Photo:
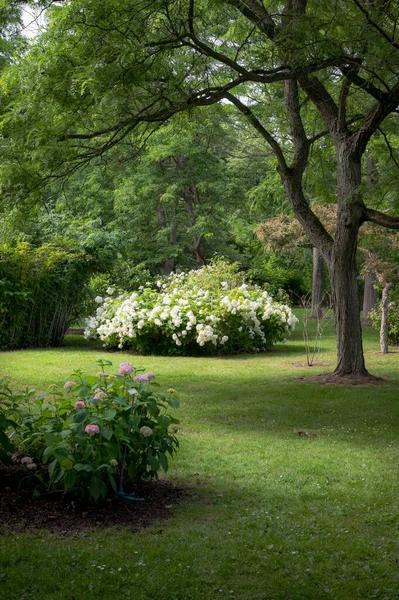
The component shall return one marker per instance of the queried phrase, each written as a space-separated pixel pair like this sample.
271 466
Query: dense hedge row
40 293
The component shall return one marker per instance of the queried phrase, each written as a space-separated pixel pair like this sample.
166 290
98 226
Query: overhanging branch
380 218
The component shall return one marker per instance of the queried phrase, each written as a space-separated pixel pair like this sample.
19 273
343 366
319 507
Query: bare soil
316 364
332 379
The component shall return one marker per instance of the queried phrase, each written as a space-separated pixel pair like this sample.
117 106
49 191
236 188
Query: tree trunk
384 318
168 265
191 198
317 285
342 265
370 296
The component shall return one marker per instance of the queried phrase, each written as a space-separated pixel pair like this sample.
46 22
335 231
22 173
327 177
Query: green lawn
269 515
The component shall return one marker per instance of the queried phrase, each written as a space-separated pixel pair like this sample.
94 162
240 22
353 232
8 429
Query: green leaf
52 467
153 408
97 488
51 438
82 467
173 402
132 470
109 414
5 442
154 464
112 481
164 462
47 453
106 433
66 464
59 476
163 422
80 416
83 391
70 479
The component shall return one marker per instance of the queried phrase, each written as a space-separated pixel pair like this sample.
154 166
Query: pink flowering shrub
92 429
94 435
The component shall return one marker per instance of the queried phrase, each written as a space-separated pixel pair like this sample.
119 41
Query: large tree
300 72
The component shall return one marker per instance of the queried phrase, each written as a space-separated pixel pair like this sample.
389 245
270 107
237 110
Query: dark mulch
56 512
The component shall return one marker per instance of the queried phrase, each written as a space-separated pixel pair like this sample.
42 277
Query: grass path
268 515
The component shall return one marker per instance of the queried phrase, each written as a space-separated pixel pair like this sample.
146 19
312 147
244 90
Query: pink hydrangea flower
32 466
125 368
140 378
68 385
98 394
92 429
101 374
150 375
80 404
26 460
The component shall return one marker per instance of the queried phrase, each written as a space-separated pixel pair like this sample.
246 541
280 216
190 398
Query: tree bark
384 318
168 265
317 284
342 264
370 296
190 198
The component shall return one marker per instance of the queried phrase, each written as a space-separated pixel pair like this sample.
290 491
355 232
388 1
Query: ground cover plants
206 311
266 513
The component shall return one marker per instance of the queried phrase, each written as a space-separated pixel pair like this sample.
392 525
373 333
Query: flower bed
192 313
92 437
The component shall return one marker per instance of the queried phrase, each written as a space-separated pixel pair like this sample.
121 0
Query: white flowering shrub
193 313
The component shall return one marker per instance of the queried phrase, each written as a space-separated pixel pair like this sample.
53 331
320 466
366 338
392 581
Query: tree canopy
308 77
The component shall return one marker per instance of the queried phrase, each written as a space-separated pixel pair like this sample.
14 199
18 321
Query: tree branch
246 111
301 142
389 147
257 14
380 218
375 25
375 117
323 101
367 86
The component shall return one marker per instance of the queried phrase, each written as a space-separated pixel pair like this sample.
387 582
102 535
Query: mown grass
268 514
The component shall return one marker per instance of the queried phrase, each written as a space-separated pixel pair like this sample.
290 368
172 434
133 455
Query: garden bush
41 292
393 321
94 435
207 311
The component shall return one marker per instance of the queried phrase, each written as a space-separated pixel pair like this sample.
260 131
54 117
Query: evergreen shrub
40 292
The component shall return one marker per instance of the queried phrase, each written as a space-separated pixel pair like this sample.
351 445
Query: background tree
382 258
104 72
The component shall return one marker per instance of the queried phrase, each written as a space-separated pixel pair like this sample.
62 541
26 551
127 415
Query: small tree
381 257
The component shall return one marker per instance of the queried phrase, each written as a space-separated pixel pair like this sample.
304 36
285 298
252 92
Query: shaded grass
267 514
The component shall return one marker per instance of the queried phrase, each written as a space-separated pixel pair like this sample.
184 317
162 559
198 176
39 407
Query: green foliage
279 276
96 434
393 321
41 291
206 311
